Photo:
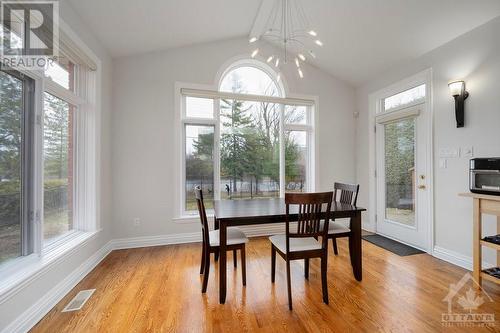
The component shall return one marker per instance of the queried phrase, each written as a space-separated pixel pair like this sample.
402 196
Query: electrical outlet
137 222
443 163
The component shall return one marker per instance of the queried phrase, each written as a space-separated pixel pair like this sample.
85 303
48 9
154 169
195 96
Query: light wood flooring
158 289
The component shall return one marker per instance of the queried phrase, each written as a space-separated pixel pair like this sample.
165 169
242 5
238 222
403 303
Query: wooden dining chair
236 240
344 193
302 243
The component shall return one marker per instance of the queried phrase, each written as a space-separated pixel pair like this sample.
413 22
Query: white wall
474 57
37 289
144 183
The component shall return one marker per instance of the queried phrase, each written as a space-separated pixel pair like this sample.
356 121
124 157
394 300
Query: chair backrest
203 214
310 213
348 193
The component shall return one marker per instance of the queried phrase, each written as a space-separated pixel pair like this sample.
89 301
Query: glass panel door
399 170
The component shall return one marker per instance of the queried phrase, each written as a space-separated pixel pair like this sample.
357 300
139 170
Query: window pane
11 118
295 161
58 166
405 97
295 114
249 148
400 171
249 80
199 164
199 107
61 72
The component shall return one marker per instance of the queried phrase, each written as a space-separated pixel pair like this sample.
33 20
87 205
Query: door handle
422 187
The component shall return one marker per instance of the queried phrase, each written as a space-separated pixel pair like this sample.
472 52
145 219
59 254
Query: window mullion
282 151
217 150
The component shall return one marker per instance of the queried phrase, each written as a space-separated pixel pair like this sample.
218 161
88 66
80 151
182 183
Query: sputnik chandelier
288 27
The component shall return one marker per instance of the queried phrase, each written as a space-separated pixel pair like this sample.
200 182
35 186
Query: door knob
422 187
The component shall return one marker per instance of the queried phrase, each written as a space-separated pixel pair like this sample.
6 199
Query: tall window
246 141
58 143
16 116
52 143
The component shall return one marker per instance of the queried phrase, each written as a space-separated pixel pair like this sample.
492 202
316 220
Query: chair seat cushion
234 236
296 244
335 228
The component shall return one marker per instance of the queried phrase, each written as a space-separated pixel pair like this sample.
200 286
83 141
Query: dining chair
344 193
236 240
302 242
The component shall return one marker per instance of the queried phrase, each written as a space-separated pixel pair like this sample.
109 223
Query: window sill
22 271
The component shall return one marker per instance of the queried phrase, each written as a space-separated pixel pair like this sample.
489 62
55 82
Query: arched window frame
187 90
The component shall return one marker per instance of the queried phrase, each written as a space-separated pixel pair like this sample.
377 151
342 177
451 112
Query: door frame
375 104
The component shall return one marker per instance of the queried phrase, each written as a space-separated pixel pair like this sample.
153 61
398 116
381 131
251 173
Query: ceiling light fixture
289 28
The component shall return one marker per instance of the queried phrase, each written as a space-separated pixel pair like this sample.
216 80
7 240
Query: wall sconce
457 89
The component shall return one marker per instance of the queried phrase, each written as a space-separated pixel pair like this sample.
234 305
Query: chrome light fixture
457 89
288 27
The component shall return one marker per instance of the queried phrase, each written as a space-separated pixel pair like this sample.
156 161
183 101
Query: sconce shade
456 87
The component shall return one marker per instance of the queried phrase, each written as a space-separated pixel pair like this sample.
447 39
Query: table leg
222 262
216 227
355 246
498 233
476 259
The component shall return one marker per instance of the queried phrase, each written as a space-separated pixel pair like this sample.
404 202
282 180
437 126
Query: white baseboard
37 311
194 237
456 258
146 241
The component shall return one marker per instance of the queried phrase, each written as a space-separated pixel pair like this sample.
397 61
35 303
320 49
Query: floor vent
79 300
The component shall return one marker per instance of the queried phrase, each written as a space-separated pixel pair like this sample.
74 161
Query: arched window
246 140
250 80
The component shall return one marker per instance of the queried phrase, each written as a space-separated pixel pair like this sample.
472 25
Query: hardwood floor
158 289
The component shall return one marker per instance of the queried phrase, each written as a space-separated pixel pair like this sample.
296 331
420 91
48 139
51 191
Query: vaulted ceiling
361 38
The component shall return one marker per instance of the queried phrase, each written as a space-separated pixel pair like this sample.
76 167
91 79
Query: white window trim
208 91
17 273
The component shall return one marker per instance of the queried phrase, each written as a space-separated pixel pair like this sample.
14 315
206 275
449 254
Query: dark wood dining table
232 213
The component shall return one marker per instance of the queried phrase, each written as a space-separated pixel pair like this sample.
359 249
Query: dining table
243 212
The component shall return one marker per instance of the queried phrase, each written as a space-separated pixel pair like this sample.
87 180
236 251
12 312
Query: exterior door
402 136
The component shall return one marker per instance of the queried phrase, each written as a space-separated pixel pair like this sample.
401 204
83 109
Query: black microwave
485 175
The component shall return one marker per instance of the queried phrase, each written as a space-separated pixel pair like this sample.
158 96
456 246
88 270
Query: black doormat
391 245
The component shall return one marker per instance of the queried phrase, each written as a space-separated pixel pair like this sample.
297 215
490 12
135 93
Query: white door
402 150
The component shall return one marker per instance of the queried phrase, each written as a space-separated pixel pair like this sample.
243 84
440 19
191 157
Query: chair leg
216 255
289 284
324 283
335 250
207 271
202 265
243 266
235 258
273 264
306 268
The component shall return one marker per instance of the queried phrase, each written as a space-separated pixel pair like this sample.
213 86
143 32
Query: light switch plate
449 152
468 151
